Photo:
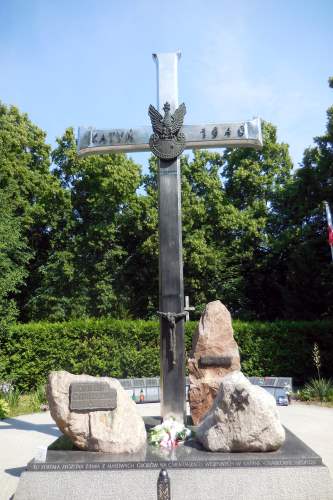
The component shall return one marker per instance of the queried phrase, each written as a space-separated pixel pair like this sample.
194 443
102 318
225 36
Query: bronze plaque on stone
92 396
220 361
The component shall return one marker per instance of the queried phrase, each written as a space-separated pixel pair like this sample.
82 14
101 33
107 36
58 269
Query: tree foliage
14 256
226 219
82 276
300 258
79 236
31 200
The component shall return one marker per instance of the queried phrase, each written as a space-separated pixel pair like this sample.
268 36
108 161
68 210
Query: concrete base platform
296 483
293 472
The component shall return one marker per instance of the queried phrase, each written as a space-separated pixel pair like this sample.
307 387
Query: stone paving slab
19 439
314 425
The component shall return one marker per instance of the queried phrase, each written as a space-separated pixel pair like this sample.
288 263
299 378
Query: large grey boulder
243 417
120 430
214 354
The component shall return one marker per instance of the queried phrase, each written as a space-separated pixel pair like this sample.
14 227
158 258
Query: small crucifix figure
167 140
172 319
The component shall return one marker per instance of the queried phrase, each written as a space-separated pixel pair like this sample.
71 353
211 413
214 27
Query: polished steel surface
209 135
171 295
167 78
171 286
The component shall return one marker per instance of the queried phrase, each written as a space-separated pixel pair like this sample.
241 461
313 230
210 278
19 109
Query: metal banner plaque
211 135
220 361
92 396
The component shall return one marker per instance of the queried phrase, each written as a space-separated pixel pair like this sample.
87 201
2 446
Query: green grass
12 398
26 404
4 408
317 390
22 404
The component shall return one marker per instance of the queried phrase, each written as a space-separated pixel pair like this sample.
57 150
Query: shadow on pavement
15 471
14 423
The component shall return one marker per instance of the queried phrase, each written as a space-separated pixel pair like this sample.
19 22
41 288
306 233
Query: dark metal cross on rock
169 138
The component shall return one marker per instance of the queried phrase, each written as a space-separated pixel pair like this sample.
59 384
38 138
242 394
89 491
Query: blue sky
70 63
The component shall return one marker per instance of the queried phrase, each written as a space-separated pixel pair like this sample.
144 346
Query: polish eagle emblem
167 142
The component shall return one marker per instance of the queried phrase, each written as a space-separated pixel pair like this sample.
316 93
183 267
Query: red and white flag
329 226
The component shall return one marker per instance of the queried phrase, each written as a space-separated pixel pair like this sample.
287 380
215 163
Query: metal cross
188 308
171 288
206 135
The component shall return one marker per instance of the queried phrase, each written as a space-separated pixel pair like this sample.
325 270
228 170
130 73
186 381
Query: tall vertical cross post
167 140
171 285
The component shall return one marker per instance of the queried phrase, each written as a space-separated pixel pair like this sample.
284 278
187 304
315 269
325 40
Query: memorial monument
293 471
168 140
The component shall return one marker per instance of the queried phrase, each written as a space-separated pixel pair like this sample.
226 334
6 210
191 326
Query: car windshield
280 392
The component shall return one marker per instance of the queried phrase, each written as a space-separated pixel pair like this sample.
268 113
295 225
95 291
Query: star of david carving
239 399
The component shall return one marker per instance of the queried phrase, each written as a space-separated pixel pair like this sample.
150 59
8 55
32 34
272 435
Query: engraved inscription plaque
91 396
207 135
220 361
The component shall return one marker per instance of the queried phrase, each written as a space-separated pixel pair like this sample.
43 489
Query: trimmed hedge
122 349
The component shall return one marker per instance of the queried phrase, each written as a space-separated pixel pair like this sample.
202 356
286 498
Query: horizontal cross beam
219 135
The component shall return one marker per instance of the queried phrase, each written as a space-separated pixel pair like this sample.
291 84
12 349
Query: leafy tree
14 255
83 276
305 271
33 193
227 215
81 239
255 182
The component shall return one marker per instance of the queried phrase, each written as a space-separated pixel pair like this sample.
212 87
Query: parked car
281 396
279 393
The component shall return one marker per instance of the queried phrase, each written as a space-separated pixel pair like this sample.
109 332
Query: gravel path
20 437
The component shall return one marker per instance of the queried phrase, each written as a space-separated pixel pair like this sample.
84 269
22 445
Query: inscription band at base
189 464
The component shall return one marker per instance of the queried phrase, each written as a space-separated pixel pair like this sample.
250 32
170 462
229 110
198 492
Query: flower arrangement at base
169 434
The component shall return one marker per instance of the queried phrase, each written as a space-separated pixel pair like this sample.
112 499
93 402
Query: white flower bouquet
169 434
